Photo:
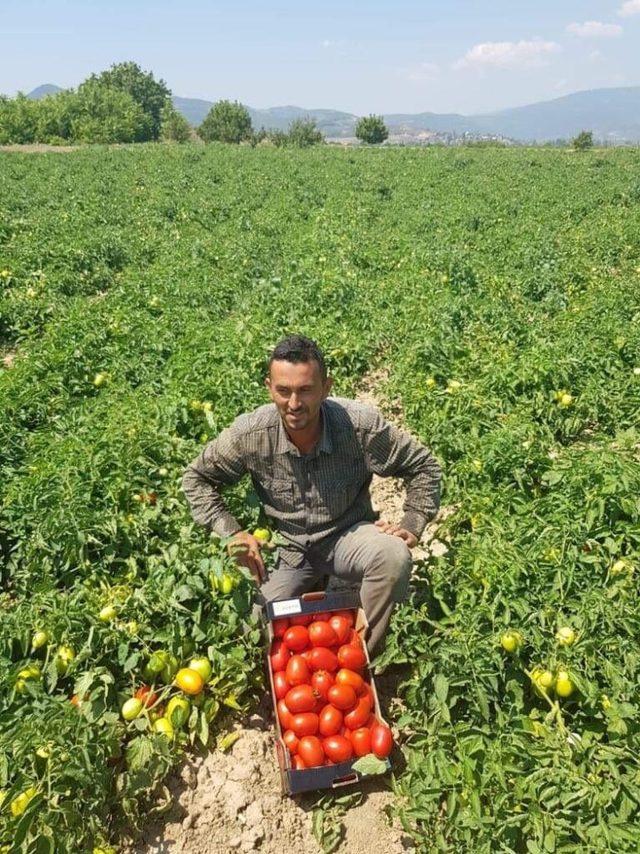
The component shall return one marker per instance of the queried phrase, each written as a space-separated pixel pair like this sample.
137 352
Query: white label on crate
286 607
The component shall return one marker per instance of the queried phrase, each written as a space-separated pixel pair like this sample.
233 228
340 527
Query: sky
360 57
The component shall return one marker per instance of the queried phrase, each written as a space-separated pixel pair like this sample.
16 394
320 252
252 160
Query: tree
175 128
303 133
149 93
583 141
371 130
226 121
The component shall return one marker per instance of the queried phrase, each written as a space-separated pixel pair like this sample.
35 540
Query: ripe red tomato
361 741
279 655
280 685
372 721
284 715
338 748
306 654
301 619
305 723
147 696
302 698
296 638
342 697
344 676
348 615
367 691
341 626
321 634
358 716
291 740
321 658
298 764
297 671
330 720
280 627
381 741
351 657
310 750
322 680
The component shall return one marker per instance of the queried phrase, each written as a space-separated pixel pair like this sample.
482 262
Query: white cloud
422 71
595 56
595 30
631 7
522 54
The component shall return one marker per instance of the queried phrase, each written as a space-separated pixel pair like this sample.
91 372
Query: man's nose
293 401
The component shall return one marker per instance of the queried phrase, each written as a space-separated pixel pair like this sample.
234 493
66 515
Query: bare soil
221 802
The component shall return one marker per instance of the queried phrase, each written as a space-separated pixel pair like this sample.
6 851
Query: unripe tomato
189 681
341 627
381 741
566 636
358 717
337 748
284 715
39 639
297 671
321 658
64 657
21 802
147 696
227 583
291 740
301 619
351 657
280 685
163 727
344 676
322 680
511 641
280 655
178 711
107 613
280 627
330 720
321 634
296 638
155 664
297 762
564 686
310 751
131 708
306 723
202 666
342 697
302 698
361 741
170 668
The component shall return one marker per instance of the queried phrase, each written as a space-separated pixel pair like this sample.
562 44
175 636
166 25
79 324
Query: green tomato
227 583
262 535
170 668
163 727
39 639
64 657
511 640
107 614
178 711
566 636
564 686
131 708
154 666
202 666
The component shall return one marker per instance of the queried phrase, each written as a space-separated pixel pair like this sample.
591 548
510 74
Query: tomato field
141 289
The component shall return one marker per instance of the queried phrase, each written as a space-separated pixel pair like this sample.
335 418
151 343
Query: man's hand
246 550
395 530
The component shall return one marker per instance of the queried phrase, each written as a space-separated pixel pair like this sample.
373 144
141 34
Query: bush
304 133
583 141
226 121
371 130
175 128
150 94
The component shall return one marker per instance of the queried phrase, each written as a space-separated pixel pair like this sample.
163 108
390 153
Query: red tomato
358 716
328 762
322 680
372 721
367 691
298 764
338 748
322 615
330 720
321 634
280 627
321 658
306 654
280 684
341 627
284 715
381 741
147 696
310 750
361 741
306 723
291 740
342 697
296 638
351 657
302 698
279 655
297 671
344 676
301 619
348 615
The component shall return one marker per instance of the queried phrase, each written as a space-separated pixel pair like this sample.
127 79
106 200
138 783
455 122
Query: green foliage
304 133
152 95
175 128
226 121
371 130
583 141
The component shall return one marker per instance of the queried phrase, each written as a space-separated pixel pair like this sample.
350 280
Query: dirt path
232 801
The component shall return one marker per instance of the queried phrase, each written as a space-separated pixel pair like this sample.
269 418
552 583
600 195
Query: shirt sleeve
222 462
391 452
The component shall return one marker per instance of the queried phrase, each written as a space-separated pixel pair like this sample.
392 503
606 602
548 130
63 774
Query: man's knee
395 563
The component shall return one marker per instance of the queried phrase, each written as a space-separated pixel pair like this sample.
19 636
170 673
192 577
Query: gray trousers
379 562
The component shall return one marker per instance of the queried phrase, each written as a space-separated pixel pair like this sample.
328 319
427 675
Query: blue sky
402 56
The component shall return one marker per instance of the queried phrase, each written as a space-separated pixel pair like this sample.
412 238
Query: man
311 458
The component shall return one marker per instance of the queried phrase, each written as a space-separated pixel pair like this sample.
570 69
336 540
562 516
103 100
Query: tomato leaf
369 765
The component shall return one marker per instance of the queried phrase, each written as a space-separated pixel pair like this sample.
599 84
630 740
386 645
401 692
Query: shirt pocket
279 494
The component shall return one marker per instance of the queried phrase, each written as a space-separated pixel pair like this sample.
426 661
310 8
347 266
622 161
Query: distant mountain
43 91
612 114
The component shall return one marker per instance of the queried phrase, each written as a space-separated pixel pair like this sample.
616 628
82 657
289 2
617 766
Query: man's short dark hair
296 349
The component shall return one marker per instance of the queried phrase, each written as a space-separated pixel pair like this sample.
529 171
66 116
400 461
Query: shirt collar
284 445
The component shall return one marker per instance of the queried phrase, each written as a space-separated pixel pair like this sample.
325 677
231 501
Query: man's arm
394 453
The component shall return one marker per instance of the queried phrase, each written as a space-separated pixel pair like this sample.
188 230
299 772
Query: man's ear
328 385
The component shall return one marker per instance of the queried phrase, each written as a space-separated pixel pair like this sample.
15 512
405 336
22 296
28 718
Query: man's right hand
246 550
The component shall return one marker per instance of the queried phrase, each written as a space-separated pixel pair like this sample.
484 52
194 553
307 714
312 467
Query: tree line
126 104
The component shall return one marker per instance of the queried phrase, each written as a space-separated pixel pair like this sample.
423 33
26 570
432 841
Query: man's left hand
395 530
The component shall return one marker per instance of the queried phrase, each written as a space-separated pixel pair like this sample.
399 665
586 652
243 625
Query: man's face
298 391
